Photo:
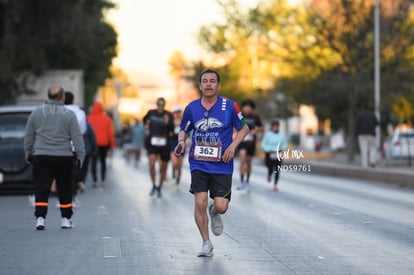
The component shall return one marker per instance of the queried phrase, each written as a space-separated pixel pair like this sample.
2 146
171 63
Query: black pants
272 166
84 169
102 154
79 175
45 170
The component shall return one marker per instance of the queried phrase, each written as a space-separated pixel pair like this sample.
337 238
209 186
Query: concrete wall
70 80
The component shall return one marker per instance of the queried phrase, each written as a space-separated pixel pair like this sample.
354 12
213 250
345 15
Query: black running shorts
219 185
163 151
250 148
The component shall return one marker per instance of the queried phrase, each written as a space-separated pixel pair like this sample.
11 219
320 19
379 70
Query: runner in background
273 143
159 128
137 139
247 147
176 162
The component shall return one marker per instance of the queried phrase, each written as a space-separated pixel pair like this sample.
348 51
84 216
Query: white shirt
80 115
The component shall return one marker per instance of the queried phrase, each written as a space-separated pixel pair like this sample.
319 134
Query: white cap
177 108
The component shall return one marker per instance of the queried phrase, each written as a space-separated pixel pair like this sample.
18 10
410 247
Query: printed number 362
206 151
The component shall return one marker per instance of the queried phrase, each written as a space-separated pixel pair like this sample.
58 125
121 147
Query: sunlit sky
150 31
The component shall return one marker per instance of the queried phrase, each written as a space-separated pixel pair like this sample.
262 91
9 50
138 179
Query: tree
47 34
262 50
346 27
238 50
402 108
178 66
324 53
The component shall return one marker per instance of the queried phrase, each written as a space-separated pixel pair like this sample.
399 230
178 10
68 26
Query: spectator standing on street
159 128
211 119
273 143
247 147
105 139
365 127
91 149
81 116
51 132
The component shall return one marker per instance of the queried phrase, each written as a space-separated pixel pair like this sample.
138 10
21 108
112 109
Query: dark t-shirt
160 124
366 123
253 120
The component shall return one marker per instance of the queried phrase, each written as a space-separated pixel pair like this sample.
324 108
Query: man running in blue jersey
211 120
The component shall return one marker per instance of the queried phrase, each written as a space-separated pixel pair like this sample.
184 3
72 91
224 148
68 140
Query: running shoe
248 187
175 185
76 203
240 186
275 189
159 192
153 190
40 223
81 187
32 200
67 224
216 223
206 249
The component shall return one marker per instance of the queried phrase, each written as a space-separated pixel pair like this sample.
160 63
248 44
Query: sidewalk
390 172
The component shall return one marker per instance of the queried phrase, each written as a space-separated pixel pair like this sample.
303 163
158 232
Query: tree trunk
351 142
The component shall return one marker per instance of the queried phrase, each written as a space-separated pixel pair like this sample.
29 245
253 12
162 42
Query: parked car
15 173
400 145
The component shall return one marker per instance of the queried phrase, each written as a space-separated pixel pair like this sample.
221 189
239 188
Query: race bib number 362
207 152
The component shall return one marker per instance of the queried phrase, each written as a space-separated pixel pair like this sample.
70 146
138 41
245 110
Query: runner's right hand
178 150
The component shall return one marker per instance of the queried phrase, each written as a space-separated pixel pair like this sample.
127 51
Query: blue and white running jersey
211 133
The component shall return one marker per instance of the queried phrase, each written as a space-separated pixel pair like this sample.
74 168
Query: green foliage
347 29
48 34
227 80
403 110
321 54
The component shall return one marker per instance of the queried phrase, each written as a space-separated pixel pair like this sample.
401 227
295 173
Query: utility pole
377 70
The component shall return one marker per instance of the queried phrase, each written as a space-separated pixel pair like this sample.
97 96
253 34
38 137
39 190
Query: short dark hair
248 102
209 71
275 122
161 99
69 98
57 95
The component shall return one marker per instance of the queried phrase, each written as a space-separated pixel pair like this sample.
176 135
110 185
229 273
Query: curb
394 176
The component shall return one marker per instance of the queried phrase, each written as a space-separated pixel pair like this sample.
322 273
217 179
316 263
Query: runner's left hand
228 154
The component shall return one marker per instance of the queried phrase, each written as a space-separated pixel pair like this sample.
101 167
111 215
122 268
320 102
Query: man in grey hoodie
50 132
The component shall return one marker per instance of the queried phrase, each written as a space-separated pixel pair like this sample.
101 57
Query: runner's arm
237 138
182 136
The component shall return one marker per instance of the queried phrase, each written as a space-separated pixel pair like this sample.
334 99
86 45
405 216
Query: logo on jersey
208 123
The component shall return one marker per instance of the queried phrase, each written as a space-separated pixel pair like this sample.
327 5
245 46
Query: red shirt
102 126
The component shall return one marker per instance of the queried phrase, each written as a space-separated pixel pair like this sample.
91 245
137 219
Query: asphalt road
314 225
